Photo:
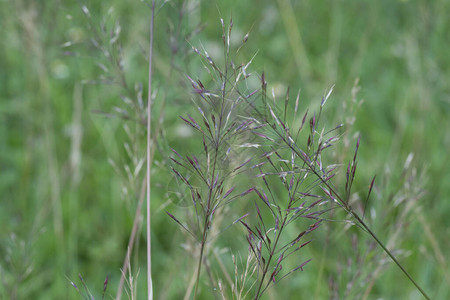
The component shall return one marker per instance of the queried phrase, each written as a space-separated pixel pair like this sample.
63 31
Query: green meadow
73 97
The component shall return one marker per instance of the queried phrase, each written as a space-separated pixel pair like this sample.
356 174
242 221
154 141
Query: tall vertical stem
149 119
202 250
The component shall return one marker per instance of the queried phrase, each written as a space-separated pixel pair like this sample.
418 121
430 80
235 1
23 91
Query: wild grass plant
244 134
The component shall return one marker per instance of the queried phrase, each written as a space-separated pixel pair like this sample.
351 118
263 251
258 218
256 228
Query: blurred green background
70 147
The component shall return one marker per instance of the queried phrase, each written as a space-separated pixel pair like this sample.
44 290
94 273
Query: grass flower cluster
245 133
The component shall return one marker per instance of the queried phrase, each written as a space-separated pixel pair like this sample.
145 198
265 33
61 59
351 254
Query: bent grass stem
349 209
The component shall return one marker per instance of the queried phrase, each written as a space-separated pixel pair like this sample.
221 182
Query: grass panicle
282 153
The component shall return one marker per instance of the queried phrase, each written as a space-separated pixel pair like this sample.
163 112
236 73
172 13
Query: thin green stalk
202 249
149 115
390 254
258 292
207 216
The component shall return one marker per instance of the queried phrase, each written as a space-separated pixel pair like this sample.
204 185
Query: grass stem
355 215
149 114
